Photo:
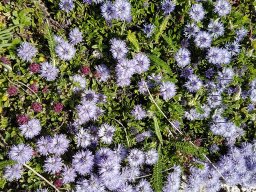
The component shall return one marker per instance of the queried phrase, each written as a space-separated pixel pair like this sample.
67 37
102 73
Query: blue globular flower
48 71
58 39
53 164
167 90
143 186
89 96
203 39
79 83
182 57
118 48
197 12
26 51
83 162
217 55
31 129
123 10
253 95
136 158
106 133
68 174
66 5
21 153
108 11
75 36
44 145
83 138
102 72
87 1
214 99
65 51
240 34
148 29
173 180
94 184
233 48
193 84
141 137
191 30
151 157
222 7
13 172
143 86
186 72
216 28
226 75
138 112
142 63
130 173
168 6
59 144
97 1
86 111
104 155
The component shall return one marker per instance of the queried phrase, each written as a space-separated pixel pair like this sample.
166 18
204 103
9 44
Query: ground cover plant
127 95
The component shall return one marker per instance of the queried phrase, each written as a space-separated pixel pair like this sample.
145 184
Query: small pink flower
37 107
12 91
58 107
34 87
45 89
34 68
85 70
58 183
22 119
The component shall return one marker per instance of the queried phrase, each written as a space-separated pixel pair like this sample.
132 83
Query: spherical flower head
83 162
144 186
203 39
86 111
44 145
222 7
118 48
182 57
191 30
79 83
139 113
142 62
66 5
58 183
226 76
12 91
85 70
34 67
22 119
148 29
136 158
31 129
106 133
65 51
143 87
214 55
48 71
209 73
216 28
13 172
186 72
104 155
123 10
87 1
193 84
253 95
53 165
59 144
233 48
89 96
75 36
33 88
151 157
125 68
197 12
108 11
97 1
83 138
168 6
240 34
57 107
103 73
21 153
167 90
26 51
68 174
36 107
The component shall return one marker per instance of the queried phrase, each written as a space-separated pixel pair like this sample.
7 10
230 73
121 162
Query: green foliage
157 173
157 130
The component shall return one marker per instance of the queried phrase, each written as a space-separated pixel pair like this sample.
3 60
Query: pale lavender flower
142 62
222 7
65 51
86 111
136 158
233 48
59 144
26 51
148 29
21 153
186 72
97 1
216 28
203 39
106 133
240 34
44 145
94 184
66 5
167 90
218 56
182 57
83 162
226 75
144 186
48 71
75 36
193 84
173 180
68 174
104 155
197 12
31 129
123 10
58 39
87 1
83 138
53 165
253 95
118 48
130 173
108 11
13 172
89 96
191 30
151 157
79 82
139 113
143 86
103 72
168 6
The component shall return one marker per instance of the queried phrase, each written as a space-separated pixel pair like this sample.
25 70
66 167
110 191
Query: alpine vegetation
26 51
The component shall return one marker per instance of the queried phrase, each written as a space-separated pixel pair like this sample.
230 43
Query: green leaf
162 28
133 39
157 173
157 130
3 164
161 63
